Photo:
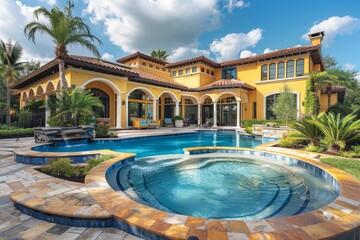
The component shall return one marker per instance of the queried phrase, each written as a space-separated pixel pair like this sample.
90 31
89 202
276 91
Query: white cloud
13 18
143 25
182 53
108 57
334 26
349 67
268 50
50 2
232 4
229 47
247 53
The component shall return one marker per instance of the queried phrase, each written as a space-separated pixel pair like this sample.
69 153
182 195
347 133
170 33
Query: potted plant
179 121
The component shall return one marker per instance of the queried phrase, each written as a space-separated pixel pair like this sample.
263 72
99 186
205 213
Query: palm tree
76 103
64 29
10 55
159 54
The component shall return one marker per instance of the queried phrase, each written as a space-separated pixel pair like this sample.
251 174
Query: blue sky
219 29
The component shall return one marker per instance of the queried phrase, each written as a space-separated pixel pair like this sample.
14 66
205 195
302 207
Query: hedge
19 132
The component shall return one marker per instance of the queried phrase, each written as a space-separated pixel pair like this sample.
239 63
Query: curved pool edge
339 219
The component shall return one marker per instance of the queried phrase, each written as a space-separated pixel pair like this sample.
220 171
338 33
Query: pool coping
340 217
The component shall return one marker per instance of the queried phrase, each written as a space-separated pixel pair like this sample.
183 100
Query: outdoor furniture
139 123
186 122
208 122
168 122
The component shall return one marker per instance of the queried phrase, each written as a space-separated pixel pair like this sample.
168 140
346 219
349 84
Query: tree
159 54
65 29
10 54
285 106
76 104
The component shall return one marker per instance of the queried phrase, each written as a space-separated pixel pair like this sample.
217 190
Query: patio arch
229 93
191 96
31 93
49 87
203 97
39 91
171 94
107 81
142 89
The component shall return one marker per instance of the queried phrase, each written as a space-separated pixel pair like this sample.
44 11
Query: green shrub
312 148
178 117
309 130
96 161
25 119
19 132
248 129
349 154
102 130
61 167
292 140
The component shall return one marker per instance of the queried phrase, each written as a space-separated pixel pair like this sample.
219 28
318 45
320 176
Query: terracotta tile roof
200 59
276 54
100 62
226 83
157 79
142 56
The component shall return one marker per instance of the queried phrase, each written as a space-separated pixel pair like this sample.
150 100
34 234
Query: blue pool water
223 186
148 146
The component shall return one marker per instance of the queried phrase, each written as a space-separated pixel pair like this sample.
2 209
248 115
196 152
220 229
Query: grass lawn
350 166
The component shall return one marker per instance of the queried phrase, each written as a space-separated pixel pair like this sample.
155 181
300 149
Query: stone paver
16 225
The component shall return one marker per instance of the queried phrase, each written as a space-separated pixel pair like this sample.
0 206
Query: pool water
148 146
222 186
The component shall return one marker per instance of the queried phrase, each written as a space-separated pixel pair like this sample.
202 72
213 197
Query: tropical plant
284 106
10 54
310 102
338 131
308 130
65 29
74 106
159 54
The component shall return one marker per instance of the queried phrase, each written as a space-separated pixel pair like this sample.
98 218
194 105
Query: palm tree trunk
8 96
63 82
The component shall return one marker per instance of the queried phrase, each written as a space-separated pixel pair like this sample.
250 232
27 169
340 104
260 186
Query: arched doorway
207 111
140 105
227 111
105 99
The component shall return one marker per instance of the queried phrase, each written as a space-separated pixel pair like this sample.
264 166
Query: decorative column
127 111
177 108
215 114
154 109
47 111
199 115
238 111
118 110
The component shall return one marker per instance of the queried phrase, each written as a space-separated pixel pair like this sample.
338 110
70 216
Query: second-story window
272 74
300 67
181 72
174 73
194 69
228 73
143 63
281 70
290 69
264 72
187 70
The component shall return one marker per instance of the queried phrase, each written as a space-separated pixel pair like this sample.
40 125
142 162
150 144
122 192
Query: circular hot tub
225 185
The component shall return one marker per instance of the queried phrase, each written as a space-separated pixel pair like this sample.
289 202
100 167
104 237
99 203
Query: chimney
316 38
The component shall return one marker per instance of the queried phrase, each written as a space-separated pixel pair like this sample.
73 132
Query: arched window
290 69
272 74
281 70
104 98
264 72
300 67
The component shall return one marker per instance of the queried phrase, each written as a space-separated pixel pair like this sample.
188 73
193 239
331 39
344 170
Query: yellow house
199 89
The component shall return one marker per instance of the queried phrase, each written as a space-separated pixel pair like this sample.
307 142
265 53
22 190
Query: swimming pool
164 144
223 186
